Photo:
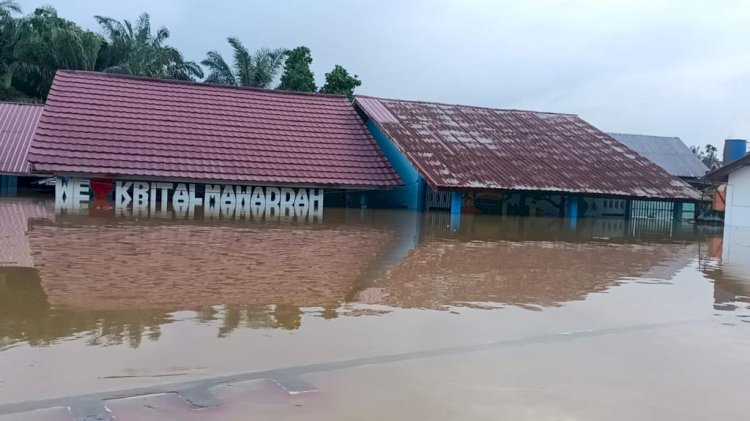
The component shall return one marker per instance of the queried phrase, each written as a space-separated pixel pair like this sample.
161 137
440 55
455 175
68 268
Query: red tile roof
455 146
105 124
17 124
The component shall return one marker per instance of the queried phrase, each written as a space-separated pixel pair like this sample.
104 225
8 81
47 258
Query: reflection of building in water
527 274
524 228
14 222
725 261
118 280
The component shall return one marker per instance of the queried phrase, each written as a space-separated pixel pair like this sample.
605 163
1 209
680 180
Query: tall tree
708 156
8 39
340 82
9 6
134 49
258 69
42 43
297 75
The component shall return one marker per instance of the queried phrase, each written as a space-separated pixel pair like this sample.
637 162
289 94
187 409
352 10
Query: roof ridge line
194 83
35 104
644 135
414 101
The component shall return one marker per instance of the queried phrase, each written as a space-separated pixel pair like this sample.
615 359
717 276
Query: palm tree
9 6
133 49
41 43
258 69
8 39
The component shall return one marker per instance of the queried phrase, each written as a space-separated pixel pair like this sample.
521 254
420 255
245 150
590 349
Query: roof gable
104 124
455 146
669 153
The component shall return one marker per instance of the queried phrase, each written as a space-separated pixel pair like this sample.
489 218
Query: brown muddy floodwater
369 315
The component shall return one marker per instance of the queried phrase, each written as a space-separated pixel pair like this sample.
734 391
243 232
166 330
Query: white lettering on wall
163 199
72 195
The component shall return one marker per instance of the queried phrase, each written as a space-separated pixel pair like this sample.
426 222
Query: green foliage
8 39
340 82
133 49
9 7
34 47
40 44
297 75
258 69
708 156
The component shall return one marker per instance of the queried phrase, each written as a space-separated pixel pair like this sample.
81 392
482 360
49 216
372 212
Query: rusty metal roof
117 125
17 124
464 147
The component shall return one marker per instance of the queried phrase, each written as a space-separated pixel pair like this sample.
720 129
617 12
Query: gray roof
667 152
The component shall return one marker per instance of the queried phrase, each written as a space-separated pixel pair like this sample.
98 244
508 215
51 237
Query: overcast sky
670 68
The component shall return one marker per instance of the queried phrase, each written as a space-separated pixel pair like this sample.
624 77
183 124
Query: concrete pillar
362 201
456 204
572 211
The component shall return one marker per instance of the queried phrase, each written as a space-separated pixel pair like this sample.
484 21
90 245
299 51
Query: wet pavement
369 315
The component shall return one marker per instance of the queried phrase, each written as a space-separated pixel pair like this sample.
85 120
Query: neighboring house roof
455 147
17 125
116 125
722 173
667 152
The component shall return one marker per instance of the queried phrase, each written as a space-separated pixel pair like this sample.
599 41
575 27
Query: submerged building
17 125
736 176
512 162
670 153
132 145
200 147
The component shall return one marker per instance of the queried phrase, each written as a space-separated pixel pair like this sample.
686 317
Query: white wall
735 252
737 212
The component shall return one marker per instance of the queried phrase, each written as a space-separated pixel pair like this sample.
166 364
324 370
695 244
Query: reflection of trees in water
26 316
279 316
130 328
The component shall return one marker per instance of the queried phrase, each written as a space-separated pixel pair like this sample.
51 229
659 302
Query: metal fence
437 199
649 209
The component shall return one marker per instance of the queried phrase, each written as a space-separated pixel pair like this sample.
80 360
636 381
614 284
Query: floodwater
369 315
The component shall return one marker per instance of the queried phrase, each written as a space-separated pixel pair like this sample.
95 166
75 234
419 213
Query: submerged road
197 394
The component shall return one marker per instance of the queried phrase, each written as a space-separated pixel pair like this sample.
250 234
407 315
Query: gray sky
671 68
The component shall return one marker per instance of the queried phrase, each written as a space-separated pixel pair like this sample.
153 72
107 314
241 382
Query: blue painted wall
411 194
8 185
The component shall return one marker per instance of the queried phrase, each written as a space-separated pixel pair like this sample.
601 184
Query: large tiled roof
667 152
115 125
17 124
455 147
